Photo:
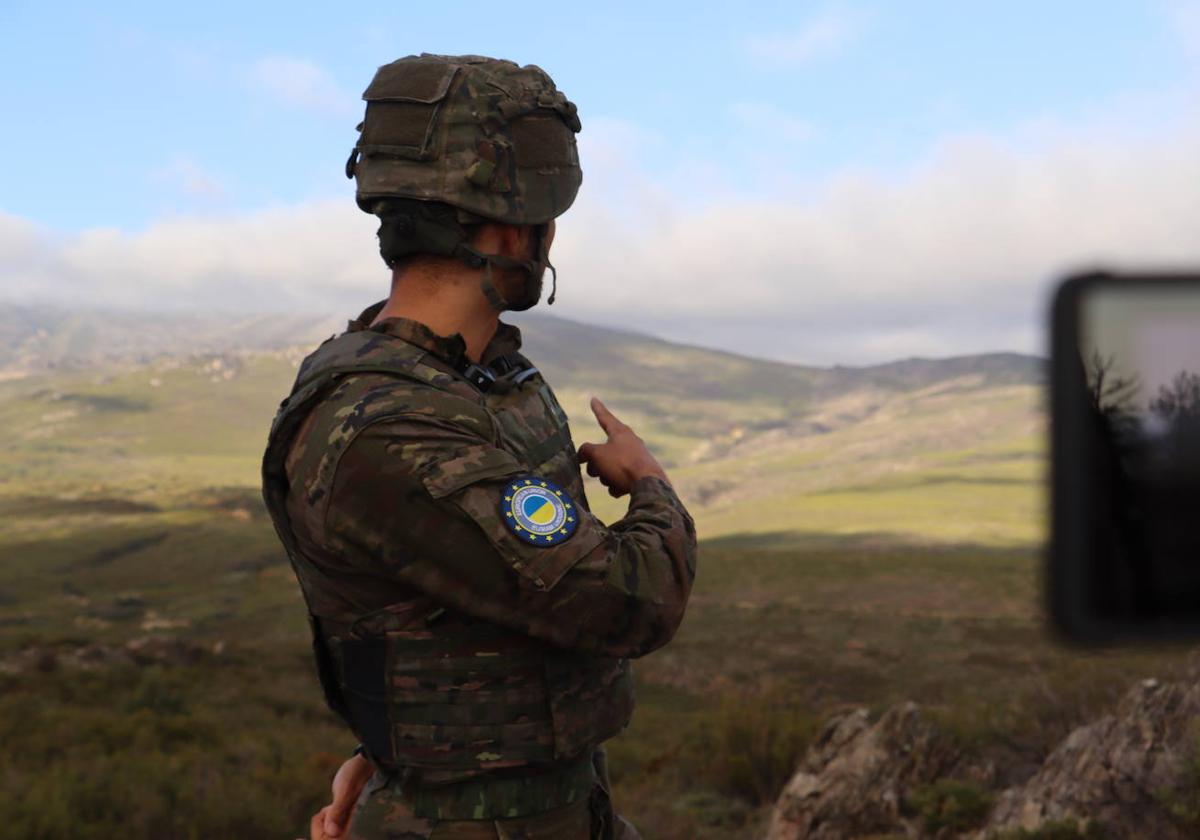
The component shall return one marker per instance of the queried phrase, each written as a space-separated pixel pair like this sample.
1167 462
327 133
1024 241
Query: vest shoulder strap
364 351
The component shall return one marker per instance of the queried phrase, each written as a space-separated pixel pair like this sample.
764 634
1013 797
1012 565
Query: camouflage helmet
493 139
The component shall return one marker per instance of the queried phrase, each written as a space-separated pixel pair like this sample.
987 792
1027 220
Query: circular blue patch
539 511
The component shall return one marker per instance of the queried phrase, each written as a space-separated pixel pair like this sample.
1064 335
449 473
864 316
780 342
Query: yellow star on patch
509 514
508 498
542 483
527 481
557 492
548 538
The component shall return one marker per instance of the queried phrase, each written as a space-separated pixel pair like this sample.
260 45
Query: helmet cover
486 136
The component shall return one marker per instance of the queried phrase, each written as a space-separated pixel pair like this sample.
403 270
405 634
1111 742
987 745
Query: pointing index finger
607 420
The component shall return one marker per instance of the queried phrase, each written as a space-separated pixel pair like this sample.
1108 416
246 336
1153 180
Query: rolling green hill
755 446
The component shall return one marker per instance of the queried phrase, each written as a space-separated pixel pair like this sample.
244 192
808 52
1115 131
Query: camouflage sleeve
421 501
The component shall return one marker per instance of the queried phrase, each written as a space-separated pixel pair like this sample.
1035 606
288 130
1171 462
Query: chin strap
495 298
530 266
490 291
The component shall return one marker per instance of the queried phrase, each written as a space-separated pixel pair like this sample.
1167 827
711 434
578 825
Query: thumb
336 817
586 452
316 826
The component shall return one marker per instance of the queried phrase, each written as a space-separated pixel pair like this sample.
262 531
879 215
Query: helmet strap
485 261
490 291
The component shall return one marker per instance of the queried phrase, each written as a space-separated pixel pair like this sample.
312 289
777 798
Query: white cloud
301 83
20 241
307 256
26 263
613 177
954 255
822 36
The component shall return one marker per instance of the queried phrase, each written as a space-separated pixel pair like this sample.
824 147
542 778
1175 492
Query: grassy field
862 544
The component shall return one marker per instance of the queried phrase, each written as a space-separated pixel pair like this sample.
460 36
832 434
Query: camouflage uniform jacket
459 649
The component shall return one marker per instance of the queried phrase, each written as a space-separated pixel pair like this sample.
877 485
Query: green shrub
196 751
1055 830
749 747
950 803
712 809
1182 802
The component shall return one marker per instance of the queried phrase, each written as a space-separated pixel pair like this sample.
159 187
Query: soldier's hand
620 461
332 821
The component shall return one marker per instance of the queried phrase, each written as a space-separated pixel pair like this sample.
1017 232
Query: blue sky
128 117
126 110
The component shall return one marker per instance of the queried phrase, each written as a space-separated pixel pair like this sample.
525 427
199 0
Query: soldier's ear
512 241
491 238
515 240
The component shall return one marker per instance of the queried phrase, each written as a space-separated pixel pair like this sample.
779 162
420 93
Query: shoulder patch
539 511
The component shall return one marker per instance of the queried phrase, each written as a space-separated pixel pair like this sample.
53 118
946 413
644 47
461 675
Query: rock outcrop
1117 771
855 776
1133 773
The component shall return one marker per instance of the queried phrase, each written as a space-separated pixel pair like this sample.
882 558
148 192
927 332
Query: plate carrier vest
417 694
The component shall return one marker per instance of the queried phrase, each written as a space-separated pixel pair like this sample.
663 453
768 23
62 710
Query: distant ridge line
39 336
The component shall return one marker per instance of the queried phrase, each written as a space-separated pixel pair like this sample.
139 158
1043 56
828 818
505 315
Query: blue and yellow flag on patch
539 511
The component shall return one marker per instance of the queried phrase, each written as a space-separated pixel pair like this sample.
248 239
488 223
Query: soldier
472 620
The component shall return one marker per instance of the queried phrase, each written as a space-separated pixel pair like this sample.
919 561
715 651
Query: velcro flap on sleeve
544 567
541 565
466 467
470 476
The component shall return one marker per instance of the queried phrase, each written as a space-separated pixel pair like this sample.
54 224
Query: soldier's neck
447 305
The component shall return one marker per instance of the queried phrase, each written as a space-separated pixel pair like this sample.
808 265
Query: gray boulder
1117 771
855 776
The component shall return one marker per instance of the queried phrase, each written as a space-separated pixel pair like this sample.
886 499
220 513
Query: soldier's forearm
656 562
